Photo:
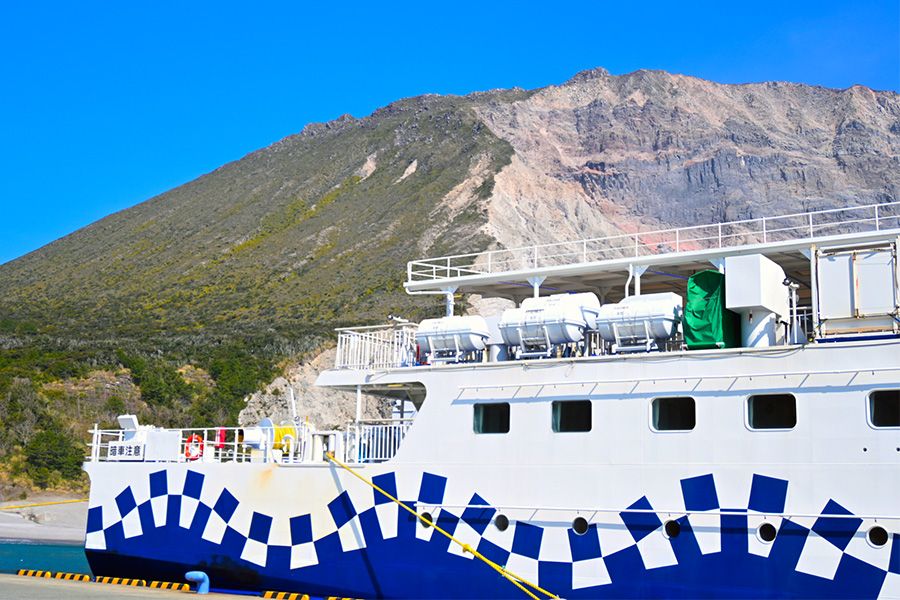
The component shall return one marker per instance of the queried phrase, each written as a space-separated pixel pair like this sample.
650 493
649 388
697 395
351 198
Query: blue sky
106 104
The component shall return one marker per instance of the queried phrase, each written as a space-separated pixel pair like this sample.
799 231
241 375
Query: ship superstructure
705 411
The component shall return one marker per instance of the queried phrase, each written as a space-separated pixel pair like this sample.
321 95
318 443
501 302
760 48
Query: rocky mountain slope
315 230
649 149
317 227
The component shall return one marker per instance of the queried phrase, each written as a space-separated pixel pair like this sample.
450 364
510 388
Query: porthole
501 522
672 529
426 520
580 525
877 536
767 532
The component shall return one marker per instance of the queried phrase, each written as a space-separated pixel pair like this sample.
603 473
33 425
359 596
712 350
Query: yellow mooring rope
36 504
516 580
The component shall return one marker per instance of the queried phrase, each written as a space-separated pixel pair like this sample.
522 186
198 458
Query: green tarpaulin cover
707 323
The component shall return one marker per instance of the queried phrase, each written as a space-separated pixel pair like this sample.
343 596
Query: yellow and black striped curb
121 581
295 596
72 576
168 585
33 573
161 585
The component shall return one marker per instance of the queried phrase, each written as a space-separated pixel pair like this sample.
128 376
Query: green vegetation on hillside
51 396
230 275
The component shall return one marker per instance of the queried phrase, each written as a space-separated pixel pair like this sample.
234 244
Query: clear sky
106 104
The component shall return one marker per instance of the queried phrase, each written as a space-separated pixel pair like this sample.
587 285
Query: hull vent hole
673 529
877 536
767 532
501 522
580 525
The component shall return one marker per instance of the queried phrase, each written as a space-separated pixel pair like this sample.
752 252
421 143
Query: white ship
710 411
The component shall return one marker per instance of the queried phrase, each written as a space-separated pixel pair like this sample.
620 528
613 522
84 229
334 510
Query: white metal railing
375 440
363 442
853 219
281 443
804 315
376 347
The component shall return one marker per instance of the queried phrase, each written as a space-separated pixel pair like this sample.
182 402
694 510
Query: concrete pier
14 587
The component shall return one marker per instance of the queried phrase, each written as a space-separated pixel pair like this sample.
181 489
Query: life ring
193 447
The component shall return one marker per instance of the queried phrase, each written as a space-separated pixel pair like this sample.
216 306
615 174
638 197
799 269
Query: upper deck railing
797 226
376 347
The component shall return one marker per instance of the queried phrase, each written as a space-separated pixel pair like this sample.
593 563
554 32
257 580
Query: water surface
68 558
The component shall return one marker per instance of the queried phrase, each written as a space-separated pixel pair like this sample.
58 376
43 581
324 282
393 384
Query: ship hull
316 528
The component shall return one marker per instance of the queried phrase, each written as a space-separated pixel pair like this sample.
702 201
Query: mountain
316 229
181 307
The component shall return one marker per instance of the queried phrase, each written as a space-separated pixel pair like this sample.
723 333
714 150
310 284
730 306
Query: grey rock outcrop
323 408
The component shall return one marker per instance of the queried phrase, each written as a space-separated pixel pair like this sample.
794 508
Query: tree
20 413
52 454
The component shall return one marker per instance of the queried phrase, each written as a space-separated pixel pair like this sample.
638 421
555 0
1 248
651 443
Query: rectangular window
571 415
772 411
491 418
884 407
674 414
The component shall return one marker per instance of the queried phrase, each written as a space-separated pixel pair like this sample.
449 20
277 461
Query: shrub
52 455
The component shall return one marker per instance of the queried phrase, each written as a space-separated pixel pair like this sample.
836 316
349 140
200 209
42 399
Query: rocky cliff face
650 149
323 408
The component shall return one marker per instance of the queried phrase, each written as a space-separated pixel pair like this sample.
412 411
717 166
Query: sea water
66 558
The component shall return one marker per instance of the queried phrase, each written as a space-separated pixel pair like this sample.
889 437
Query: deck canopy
655 261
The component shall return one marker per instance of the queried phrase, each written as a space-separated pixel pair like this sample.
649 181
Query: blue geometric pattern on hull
406 566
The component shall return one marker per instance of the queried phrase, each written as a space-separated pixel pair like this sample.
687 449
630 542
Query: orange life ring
193 447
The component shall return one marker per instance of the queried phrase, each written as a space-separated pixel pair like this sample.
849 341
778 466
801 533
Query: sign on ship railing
853 219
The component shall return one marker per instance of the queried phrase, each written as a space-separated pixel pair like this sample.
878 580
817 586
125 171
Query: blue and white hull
220 519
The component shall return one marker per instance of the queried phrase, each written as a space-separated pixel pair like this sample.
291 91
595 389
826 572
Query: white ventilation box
638 322
550 320
754 282
447 338
754 288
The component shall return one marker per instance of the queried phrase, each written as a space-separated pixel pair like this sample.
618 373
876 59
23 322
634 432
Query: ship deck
663 260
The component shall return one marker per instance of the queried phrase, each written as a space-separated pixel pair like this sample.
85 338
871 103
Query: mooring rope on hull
37 504
518 581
